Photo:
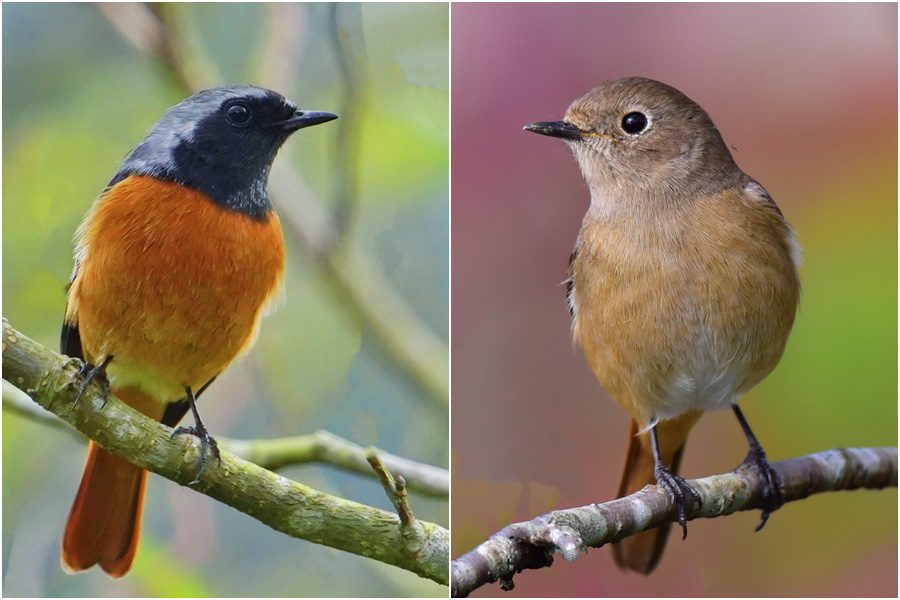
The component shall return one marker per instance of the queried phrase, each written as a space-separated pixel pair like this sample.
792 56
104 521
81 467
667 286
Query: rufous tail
642 552
105 521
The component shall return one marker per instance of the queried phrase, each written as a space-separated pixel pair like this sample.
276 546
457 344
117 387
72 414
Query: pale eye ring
634 123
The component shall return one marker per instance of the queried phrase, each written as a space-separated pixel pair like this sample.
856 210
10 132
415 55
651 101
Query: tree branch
359 281
531 544
353 106
277 453
287 506
325 447
395 487
281 45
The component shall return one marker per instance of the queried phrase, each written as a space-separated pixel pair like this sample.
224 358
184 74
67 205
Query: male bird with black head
174 265
683 284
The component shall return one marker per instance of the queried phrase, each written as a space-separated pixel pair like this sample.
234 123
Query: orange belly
171 285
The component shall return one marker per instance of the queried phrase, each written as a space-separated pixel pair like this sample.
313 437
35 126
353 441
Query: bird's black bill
307 118
559 129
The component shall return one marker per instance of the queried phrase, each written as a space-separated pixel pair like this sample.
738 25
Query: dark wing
755 188
570 280
70 341
175 411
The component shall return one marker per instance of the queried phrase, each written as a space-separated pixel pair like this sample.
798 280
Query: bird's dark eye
633 123
238 114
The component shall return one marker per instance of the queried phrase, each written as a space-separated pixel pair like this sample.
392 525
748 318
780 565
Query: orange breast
171 284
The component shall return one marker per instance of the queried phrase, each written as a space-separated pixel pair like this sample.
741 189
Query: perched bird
174 265
683 284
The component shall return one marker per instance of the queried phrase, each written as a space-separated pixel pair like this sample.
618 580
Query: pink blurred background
808 96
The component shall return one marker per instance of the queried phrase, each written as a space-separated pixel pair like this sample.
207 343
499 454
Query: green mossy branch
282 504
327 448
277 453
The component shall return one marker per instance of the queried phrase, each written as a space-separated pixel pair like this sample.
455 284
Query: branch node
567 541
395 488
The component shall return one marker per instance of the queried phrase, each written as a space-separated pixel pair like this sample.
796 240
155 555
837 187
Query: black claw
680 491
676 486
88 373
207 442
773 498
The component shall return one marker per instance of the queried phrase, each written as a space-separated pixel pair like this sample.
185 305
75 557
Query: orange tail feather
105 521
642 552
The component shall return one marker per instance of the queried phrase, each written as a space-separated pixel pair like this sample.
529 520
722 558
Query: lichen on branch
282 504
532 544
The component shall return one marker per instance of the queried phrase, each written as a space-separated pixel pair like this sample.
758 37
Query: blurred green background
76 98
807 96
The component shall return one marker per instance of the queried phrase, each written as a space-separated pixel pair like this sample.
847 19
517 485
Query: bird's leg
677 487
207 442
773 499
88 373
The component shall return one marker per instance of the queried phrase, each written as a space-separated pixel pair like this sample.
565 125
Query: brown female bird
683 284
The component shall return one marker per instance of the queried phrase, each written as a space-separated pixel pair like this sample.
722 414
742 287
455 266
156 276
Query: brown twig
532 544
282 43
349 57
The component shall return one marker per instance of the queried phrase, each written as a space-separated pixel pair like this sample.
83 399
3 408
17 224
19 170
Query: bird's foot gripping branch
532 544
274 500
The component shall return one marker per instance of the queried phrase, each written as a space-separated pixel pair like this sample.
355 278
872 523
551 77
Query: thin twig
352 75
394 487
282 42
532 544
328 448
136 24
282 504
188 64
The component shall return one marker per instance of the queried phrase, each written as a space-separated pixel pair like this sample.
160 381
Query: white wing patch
796 250
755 189
570 283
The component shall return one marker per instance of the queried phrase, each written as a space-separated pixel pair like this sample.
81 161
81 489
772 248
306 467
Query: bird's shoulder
752 194
570 281
755 192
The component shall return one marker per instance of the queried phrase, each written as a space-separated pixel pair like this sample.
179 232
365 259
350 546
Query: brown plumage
642 552
684 279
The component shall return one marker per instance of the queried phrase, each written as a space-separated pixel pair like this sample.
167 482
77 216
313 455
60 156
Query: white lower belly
123 375
689 393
